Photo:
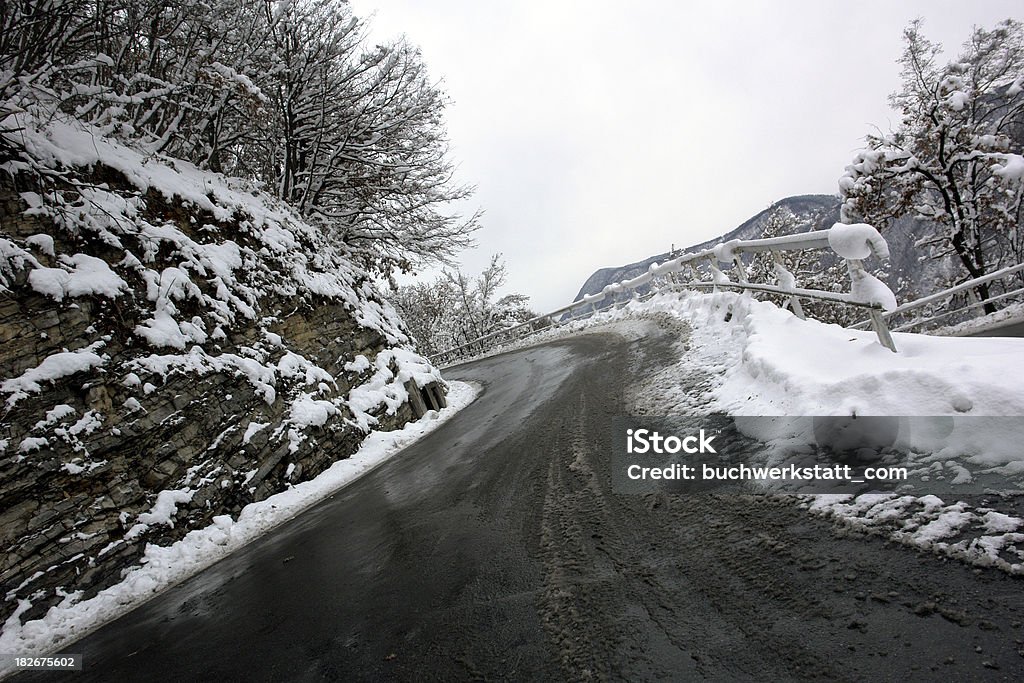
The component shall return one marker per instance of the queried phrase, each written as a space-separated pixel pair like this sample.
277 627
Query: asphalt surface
495 548
1011 330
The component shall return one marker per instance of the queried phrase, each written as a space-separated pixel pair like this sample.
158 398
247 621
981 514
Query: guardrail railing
699 270
953 302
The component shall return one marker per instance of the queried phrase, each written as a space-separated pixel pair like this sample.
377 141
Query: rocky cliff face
173 346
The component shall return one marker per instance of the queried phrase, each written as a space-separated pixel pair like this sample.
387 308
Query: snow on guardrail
852 242
941 306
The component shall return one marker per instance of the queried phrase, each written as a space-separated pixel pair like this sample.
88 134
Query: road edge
162 568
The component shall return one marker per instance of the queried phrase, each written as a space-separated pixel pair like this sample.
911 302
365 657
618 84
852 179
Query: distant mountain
906 275
802 206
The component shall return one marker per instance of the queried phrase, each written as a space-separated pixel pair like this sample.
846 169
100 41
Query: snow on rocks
307 411
52 369
83 275
225 277
164 567
358 365
230 341
393 369
262 376
13 260
252 430
162 512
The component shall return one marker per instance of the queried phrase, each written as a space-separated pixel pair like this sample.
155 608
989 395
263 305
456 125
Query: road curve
495 548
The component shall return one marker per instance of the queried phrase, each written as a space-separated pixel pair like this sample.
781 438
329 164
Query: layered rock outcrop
174 345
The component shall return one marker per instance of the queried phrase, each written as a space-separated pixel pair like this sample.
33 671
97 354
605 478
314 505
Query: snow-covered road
495 547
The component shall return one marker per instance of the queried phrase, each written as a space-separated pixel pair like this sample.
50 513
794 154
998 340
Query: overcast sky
599 133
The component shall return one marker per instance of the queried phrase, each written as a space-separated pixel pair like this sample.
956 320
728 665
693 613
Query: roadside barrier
700 271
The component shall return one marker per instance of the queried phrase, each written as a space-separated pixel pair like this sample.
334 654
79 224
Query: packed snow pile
777 364
177 345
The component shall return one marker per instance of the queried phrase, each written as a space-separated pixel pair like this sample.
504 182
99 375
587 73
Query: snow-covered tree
955 157
456 308
429 312
360 141
286 92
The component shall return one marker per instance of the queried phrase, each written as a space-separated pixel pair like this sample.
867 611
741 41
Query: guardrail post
882 330
856 269
716 274
794 302
694 272
740 270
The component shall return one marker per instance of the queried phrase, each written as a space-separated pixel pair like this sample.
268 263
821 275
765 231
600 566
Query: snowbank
773 363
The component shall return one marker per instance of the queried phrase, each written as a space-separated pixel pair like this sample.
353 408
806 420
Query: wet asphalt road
1011 330
495 549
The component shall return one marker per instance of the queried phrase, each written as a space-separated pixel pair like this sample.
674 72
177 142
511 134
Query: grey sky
599 133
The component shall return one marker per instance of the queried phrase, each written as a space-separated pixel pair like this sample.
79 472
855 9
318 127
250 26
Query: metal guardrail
946 295
689 264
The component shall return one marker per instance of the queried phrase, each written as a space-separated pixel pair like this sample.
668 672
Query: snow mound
781 365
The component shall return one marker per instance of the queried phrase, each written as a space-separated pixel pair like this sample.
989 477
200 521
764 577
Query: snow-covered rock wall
174 345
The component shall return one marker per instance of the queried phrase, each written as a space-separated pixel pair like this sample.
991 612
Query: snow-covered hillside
176 345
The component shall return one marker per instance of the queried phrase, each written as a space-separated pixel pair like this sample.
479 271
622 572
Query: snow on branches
955 158
285 93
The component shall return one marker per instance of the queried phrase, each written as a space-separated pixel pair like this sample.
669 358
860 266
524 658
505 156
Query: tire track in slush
567 604
730 585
